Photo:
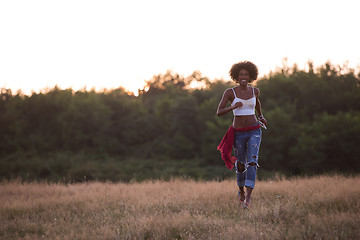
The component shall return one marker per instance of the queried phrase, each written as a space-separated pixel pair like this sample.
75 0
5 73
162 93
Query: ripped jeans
246 149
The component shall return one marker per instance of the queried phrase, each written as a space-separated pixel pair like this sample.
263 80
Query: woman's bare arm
222 109
258 106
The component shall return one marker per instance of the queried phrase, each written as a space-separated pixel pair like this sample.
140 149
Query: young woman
244 135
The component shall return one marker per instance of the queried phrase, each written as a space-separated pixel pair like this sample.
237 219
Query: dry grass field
320 207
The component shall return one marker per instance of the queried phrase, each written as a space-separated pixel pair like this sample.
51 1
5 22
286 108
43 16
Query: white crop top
248 107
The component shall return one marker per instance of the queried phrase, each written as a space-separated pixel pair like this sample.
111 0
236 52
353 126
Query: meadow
320 207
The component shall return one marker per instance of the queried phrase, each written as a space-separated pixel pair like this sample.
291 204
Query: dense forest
170 129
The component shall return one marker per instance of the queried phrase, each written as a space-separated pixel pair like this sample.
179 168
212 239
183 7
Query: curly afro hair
249 66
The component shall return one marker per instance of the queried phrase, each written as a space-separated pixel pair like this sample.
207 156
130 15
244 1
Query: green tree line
170 128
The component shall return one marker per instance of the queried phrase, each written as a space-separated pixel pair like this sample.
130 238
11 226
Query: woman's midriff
244 121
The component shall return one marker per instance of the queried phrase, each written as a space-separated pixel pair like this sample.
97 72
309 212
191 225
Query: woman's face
244 76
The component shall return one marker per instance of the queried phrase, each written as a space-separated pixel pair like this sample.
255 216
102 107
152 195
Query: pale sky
107 44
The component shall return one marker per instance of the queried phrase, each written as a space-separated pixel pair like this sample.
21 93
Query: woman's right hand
237 105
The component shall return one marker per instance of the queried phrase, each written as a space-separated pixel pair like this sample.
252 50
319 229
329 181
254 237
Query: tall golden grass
320 207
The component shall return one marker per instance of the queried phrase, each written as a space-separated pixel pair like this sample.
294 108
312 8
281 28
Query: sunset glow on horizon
111 44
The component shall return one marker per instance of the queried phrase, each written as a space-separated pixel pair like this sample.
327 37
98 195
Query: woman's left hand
263 120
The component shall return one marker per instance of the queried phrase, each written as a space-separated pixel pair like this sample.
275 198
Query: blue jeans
246 149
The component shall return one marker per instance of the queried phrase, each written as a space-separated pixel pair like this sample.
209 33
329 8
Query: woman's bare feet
241 194
247 199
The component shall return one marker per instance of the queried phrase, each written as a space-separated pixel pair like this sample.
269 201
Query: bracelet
261 116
